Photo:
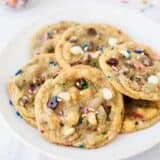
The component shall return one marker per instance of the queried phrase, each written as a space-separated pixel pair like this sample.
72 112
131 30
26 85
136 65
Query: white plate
16 54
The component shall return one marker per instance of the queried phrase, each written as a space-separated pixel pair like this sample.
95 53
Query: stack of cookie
86 84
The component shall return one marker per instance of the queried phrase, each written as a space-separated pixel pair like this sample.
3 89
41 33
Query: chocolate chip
107 110
81 84
112 62
61 124
75 63
92 31
136 123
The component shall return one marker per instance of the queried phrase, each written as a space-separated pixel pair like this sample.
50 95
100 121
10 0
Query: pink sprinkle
30 90
138 67
124 1
60 46
60 113
45 37
85 110
115 68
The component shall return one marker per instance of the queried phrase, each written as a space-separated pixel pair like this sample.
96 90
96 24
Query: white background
12 21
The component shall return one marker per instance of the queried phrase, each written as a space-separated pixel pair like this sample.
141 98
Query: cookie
134 70
83 44
79 108
45 40
139 114
23 87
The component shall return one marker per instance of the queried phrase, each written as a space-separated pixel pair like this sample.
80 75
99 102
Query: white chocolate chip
76 50
65 96
92 119
68 131
125 53
112 42
153 79
107 94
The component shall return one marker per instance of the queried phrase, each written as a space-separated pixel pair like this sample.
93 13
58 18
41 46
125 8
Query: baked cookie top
79 108
83 44
46 38
134 70
23 87
139 114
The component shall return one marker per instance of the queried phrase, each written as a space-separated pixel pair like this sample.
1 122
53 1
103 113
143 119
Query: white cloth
12 21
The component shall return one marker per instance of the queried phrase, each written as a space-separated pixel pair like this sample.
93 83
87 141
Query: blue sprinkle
18 72
18 114
80 120
81 146
10 102
85 47
101 49
52 63
54 99
128 51
109 77
49 34
138 51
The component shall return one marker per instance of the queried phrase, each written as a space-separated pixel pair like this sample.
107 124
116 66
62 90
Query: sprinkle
18 114
152 79
76 50
52 63
53 103
46 36
124 1
60 46
18 72
81 84
62 85
81 146
107 94
138 67
137 50
137 115
115 69
80 120
85 47
10 102
60 113
112 42
104 132
85 110
109 76
30 90
92 31
24 100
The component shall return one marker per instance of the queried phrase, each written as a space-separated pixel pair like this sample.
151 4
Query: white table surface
12 21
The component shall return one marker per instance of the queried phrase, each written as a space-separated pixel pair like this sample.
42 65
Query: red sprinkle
137 115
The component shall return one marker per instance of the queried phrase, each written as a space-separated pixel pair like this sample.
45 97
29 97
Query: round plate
16 55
